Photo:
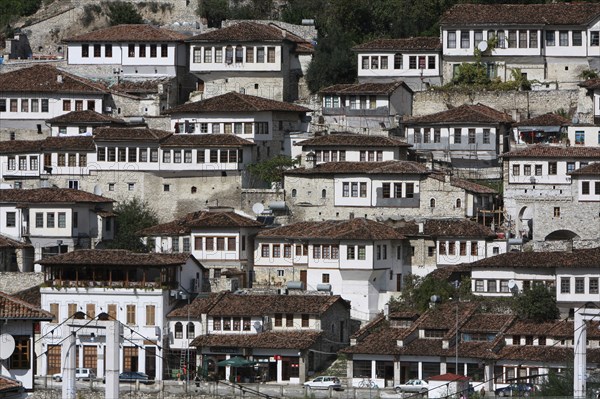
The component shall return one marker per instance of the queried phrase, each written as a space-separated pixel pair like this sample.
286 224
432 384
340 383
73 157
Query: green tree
537 304
132 216
215 11
120 12
271 170
557 384
417 292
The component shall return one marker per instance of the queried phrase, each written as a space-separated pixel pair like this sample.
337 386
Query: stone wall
18 281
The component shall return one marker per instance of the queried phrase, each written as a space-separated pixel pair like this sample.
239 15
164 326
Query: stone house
417 61
15 256
133 288
55 220
368 108
379 190
19 321
251 58
592 88
356 258
220 238
30 96
546 42
288 336
468 139
262 121
541 200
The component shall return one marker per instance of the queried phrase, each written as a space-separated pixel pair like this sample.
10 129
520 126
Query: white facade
584 135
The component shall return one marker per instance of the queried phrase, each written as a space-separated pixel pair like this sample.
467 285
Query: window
325 278
97 50
579 285
289 320
350 252
479 285
22 163
179 328
271 54
471 136
142 50
527 170
85 50
432 203
278 319
585 187
593 285
570 167
239 54
2 105
130 186
249 54
595 38
130 314
457 136
565 285
39 220
552 168
556 211
397 61
21 357
264 249
153 50
512 39
260 54
24 105
11 219
451 39
486 136
597 188
516 170
563 38
579 137
385 190
362 253
50 220
412 62
62 220
131 50
577 38
66 105
550 39
491 286
538 170
166 156
464 39
410 190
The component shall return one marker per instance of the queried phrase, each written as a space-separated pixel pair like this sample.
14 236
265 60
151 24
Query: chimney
59 78
311 160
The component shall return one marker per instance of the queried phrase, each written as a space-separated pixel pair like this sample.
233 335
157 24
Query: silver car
324 382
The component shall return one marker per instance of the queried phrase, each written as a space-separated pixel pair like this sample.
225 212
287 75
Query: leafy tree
587 74
215 11
558 384
132 216
417 292
537 304
271 170
120 12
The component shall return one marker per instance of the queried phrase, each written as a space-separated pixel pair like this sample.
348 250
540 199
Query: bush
90 13
120 12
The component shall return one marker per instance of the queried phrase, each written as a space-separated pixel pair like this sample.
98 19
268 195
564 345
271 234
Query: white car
80 374
324 382
414 386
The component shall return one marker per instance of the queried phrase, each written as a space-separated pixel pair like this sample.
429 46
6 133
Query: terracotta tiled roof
464 114
353 229
547 151
6 242
487 323
522 14
20 146
548 119
235 102
258 305
30 295
373 168
444 228
352 140
128 33
115 257
129 134
86 116
266 340
590 84
381 341
536 353
75 143
205 140
46 79
200 219
246 32
49 195
589 170
465 184
364 88
576 258
408 44
8 384
14 308
199 306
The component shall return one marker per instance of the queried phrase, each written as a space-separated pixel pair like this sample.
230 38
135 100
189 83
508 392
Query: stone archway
561 235
524 226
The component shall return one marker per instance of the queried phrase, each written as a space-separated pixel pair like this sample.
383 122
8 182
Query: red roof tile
373 168
353 229
199 306
128 33
16 309
453 227
364 88
267 340
589 170
449 377
200 219
20 146
407 44
547 151
205 140
87 116
576 13
463 114
577 258
49 195
235 102
7 242
129 134
590 84
8 384
46 79
74 143
548 119
115 257
352 140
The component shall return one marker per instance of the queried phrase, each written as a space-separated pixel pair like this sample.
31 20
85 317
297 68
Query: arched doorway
524 226
562 235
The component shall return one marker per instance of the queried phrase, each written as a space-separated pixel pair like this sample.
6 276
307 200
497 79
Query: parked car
324 382
80 374
414 386
515 390
133 376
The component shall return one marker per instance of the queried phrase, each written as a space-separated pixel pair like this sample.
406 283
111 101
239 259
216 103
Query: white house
19 321
357 259
80 123
545 42
259 59
30 96
417 61
130 51
469 139
592 88
134 288
368 108
55 220
581 135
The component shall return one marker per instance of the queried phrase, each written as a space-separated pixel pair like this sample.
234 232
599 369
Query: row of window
330 156
398 190
414 62
27 105
190 333
586 187
223 127
538 169
427 135
23 161
522 38
274 250
51 219
238 54
580 283
111 310
356 102
449 248
143 49
215 243
131 154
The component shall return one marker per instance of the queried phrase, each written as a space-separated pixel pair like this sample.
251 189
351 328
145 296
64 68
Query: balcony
348 111
110 284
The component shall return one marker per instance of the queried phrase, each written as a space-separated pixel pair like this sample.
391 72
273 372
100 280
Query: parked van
80 374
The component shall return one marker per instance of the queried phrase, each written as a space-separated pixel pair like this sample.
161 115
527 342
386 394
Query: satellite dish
258 208
97 190
7 346
435 299
512 286
482 46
